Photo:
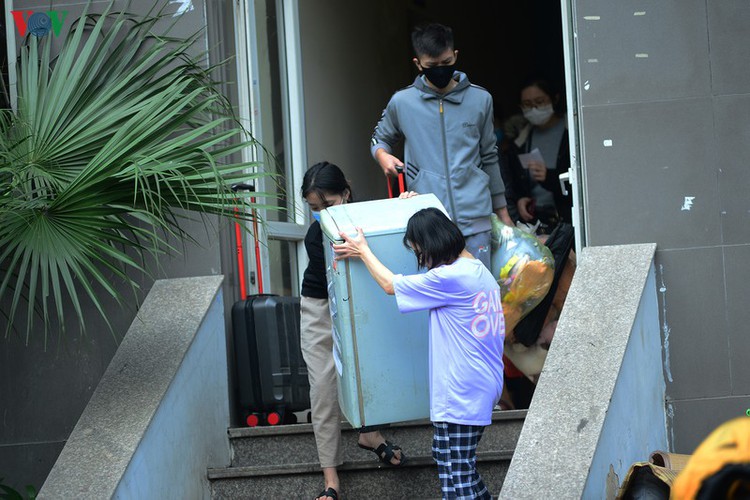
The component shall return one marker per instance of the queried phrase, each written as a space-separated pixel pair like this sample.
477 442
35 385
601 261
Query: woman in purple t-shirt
467 329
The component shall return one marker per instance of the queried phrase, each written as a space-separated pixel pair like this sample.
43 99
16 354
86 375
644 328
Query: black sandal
329 492
385 453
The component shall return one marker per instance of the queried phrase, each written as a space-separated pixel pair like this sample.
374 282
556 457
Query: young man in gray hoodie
449 139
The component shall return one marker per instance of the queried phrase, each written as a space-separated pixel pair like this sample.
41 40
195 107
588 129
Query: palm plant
113 142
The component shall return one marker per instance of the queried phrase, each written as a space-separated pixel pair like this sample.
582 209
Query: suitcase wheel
252 420
273 418
278 417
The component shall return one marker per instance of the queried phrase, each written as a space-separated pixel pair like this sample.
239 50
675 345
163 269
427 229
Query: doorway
354 55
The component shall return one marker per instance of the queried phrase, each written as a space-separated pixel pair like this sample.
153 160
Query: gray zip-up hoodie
449 148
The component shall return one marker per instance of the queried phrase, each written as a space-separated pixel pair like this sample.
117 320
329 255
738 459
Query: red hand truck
238 242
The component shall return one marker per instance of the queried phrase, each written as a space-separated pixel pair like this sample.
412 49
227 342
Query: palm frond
112 139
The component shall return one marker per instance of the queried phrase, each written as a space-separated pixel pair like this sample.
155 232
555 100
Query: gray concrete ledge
600 397
159 416
283 430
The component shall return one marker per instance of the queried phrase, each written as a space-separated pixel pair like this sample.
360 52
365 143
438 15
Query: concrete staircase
282 462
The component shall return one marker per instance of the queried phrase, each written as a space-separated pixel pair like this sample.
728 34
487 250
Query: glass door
272 108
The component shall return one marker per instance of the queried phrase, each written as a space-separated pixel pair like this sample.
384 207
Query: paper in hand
534 156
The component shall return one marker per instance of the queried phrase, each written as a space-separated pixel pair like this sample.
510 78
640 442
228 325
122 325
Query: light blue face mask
316 216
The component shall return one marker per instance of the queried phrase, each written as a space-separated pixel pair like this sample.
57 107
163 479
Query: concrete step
295 444
360 479
282 462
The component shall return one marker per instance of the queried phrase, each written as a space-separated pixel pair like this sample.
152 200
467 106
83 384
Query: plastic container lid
375 217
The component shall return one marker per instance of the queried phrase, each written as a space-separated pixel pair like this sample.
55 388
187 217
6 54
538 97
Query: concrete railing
158 419
599 405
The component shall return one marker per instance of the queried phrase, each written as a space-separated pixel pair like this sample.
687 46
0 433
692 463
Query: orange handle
257 249
240 256
401 184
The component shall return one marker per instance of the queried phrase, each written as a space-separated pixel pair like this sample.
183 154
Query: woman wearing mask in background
323 186
536 190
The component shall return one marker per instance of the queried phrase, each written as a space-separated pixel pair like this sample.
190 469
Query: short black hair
324 178
431 40
434 238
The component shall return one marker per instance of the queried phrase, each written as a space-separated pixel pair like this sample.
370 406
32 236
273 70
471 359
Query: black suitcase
271 373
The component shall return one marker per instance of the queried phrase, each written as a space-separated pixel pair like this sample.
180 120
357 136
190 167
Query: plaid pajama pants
454 448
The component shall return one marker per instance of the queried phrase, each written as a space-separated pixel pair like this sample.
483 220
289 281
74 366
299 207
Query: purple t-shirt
467 330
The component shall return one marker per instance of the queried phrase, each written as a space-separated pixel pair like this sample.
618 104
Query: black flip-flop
328 492
385 453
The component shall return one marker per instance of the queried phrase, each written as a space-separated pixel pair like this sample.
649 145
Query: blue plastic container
381 355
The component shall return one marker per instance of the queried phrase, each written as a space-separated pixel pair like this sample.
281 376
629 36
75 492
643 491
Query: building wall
599 404
354 56
636 419
664 94
44 387
158 418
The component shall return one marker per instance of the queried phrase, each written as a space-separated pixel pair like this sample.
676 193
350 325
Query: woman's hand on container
358 248
407 194
351 247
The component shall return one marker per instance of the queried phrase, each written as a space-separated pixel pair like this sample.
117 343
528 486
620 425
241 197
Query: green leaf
112 138
9 493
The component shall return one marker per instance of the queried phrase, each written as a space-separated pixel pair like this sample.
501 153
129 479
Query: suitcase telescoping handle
242 186
401 185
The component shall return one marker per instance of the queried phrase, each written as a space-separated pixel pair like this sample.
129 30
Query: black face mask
439 76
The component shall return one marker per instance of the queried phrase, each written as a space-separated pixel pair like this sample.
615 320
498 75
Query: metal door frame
293 119
576 173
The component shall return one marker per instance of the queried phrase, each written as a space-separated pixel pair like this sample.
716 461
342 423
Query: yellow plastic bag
524 269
